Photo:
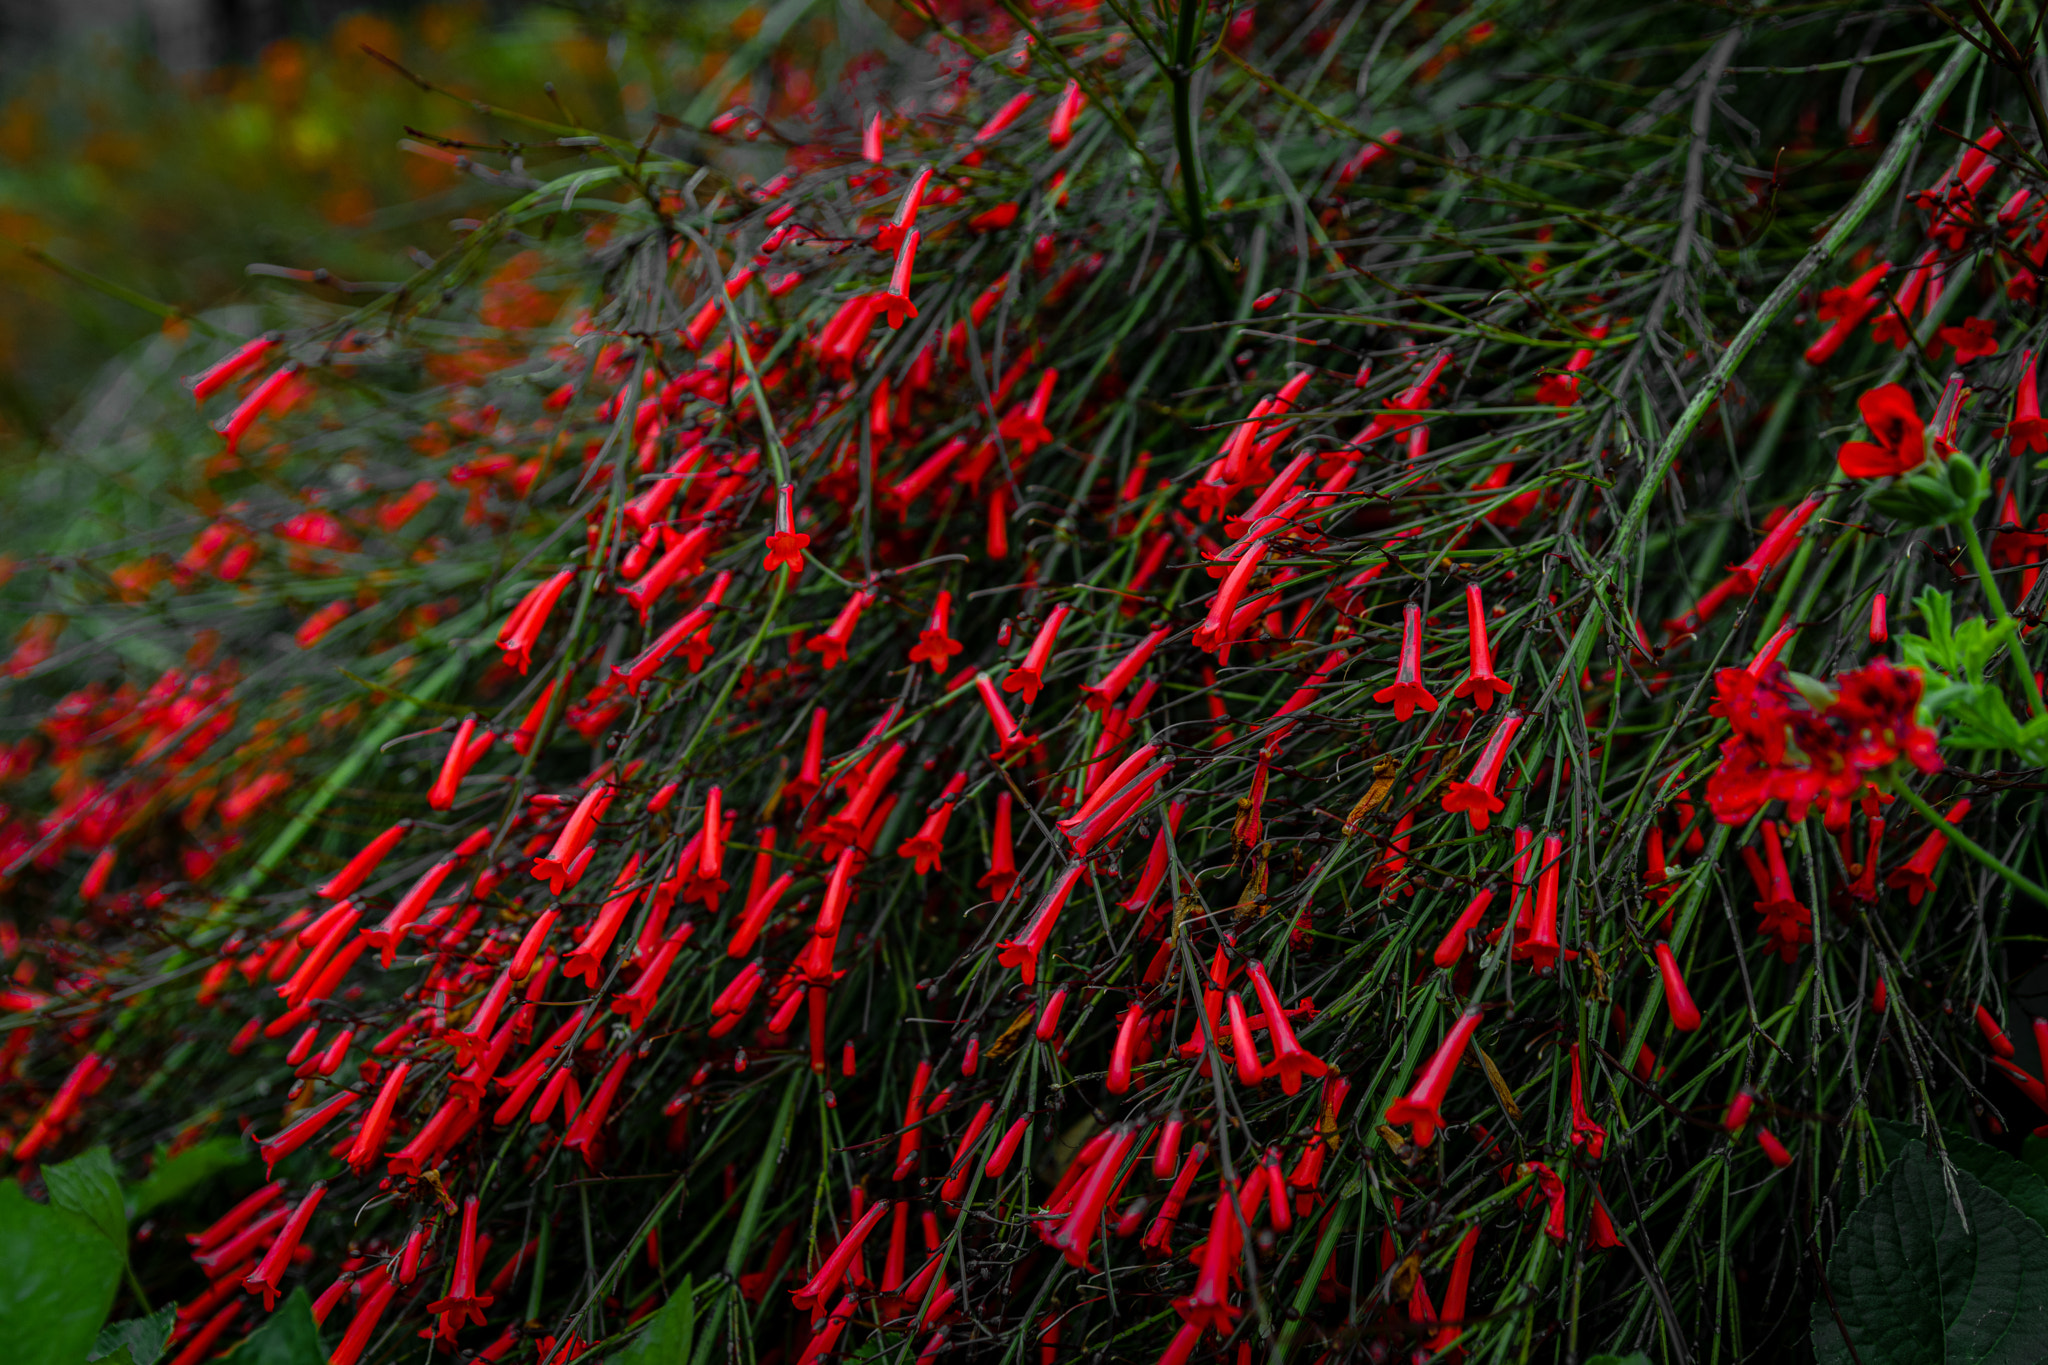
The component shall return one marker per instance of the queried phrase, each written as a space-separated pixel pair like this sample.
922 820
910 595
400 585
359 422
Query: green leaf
173 1177
666 1337
2020 1185
58 1273
1633 1358
88 1186
135 1341
2034 1156
287 1337
1934 1271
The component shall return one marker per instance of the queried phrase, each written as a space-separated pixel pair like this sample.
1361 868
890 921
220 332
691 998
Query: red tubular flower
1001 876
929 842
831 645
1000 121
554 868
1898 441
1540 943
962 1169
1406 692
895 304
913 1117
1025 423
1848 307
1993 1034
834 1269
1685 1015
1480 683
1010 741
1076 1235
388 935
1452 947
1768 653
1290 1059
2027 431
1774 1149
363 1325
1452 1315
302 1130
734 1001
523 627
1250 1069
529 729
586 960
1006 1148
533 941
1474 797
1022 952
358 869
1738 1111
1880 630
463 754
1110 787
274 391
1029 676
230 367
1916 877
462 1304
1208 1308
1215 634
935 644
755 917
785 543
1423 1105
637 1002
891 233
1585 1132
1061 130
682 559
1777 543
265 1278
586 1131
236 1218
690 634
369 1141
1123 1055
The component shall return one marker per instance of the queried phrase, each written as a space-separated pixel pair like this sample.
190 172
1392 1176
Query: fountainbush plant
1136 683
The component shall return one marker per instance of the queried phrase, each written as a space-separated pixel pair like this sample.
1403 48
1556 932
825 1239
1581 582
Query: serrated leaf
173 1177
136 1341
665 1339
1934 1268
2020 1184
287 1337
88 1186
58 1273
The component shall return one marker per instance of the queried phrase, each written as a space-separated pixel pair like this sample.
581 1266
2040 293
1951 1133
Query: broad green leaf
2021 1186
58 1273
287 1337
2034 1156
88 1186
1929 1272
172 1177
135 1341
666 1337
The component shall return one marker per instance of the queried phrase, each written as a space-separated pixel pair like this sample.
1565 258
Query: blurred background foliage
172 183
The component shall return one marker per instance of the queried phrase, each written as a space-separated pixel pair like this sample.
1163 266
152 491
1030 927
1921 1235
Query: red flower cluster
1786 749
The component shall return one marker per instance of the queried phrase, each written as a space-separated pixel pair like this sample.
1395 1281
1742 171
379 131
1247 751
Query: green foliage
1936 494
1954 658
666 1337
58 1274
174 1177
2016 1181
135 1341
288 1336
1935 1266
88 1186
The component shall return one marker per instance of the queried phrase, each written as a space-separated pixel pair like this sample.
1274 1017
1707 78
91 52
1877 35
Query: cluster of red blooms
713 828
1787 746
